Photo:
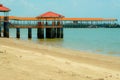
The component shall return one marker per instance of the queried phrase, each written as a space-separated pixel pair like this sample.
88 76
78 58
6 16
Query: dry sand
24 60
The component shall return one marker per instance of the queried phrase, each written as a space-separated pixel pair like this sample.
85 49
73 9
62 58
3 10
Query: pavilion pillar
51 31
17 32
58 29
29 32
40 31
6 27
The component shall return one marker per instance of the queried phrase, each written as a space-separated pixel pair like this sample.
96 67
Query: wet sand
25 60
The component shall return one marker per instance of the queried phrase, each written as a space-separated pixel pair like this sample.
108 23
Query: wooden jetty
5 10
52 25
49 24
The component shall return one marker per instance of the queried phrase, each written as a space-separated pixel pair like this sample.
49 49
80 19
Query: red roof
3 8
50 15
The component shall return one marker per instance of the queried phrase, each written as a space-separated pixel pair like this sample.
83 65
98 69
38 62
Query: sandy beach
25 60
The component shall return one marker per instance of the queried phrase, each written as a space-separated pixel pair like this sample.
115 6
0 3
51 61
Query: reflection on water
50 42
100 40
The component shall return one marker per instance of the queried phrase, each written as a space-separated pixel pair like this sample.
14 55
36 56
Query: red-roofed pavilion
6 20
50 18
52 22
3 8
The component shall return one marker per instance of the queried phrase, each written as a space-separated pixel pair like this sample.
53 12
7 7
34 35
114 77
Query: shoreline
92 43
29 61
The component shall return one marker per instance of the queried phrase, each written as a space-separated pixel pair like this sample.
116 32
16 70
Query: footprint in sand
1 52
89 77
20 56
67 62
110 76
117 74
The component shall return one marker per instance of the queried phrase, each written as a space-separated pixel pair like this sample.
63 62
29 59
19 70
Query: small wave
114 53
99 50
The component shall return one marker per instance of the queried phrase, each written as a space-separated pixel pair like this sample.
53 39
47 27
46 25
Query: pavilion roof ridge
50 14
3 8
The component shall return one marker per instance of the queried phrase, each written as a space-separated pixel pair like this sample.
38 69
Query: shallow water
98 40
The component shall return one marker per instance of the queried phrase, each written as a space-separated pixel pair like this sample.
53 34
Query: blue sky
68 8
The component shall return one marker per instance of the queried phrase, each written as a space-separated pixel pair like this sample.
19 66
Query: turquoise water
98 40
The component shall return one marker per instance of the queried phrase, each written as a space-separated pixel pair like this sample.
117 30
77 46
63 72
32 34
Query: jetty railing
53 28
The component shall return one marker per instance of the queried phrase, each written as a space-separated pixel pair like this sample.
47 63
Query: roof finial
1 5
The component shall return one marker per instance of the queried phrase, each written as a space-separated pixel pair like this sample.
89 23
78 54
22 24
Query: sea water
97 40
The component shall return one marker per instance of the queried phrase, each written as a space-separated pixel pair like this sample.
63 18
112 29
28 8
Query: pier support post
6 27
61 32
58 32
0 31
50 33
40 33
17 32
55 32
0 27
29 32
